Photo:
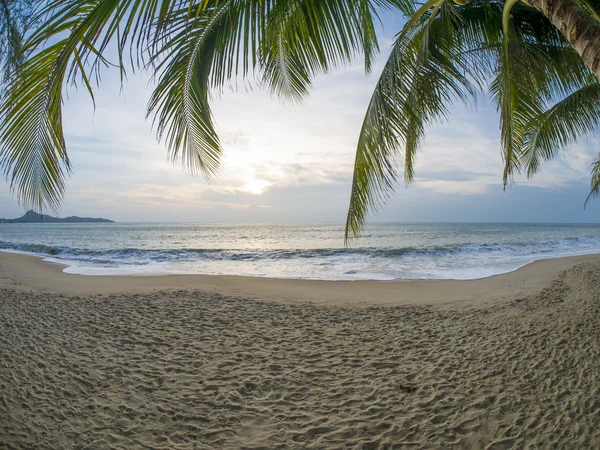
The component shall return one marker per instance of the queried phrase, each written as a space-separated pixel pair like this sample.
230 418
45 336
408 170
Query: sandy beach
178 362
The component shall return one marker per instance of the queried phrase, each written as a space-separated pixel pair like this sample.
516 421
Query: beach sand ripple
187 369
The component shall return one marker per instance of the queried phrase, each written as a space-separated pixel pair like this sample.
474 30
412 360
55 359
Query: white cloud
472 187
271 150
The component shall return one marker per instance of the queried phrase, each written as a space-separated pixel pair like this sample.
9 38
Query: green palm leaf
303 38
594 181
193 46
180 99
32 151
421 79
446 54
517 101
574 116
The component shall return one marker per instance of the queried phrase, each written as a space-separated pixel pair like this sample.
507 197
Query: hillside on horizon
32 217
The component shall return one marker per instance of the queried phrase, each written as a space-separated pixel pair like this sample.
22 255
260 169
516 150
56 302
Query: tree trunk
581 32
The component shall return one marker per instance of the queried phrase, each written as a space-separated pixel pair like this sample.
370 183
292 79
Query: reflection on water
314 251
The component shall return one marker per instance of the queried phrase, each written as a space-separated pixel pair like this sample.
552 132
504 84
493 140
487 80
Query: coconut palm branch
564 123
277 39
594 181
415 88
193 47
448 53
33 151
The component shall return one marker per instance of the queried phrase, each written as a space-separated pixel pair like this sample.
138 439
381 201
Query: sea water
385 251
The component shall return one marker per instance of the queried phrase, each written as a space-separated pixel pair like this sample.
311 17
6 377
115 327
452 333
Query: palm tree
445 52
545 92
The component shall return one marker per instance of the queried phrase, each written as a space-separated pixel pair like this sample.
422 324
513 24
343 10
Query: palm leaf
193 48
180 99
536 66
418 83
514 91
306 37
32 151
574 116
449 55
594 181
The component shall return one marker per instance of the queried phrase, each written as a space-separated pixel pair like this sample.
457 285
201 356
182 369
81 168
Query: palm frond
32 151
375 162
306 37
594 181
448 54
418 83
568 120
535 66
194 46
514 98
180 100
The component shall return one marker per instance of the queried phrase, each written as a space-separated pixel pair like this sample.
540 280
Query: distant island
33 217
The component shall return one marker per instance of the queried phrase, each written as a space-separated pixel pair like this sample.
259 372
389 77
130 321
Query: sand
133 362
28 273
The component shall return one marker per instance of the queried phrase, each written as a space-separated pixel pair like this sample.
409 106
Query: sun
256 187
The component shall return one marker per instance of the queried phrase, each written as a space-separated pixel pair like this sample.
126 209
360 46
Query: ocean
386 251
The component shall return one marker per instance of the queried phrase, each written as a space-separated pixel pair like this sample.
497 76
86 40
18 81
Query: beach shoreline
29 272
389 252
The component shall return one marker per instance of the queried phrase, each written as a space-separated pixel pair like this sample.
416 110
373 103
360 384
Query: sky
293 163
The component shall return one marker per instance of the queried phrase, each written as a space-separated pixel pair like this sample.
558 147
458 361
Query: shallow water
312 251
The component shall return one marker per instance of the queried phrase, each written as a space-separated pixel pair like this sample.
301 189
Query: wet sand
232 362
26 272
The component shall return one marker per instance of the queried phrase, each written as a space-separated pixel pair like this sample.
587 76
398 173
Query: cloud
472 187
282 161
